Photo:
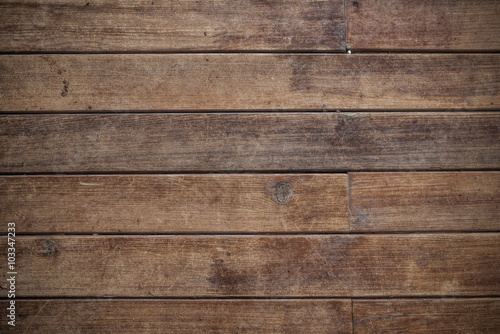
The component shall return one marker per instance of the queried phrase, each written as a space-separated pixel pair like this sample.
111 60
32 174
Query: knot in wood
283 193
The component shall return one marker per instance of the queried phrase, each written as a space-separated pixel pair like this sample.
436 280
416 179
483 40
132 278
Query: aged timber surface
176 203
261 316
246 142
182 316
430 25
466 201
134 25
427 316
309 266
188 82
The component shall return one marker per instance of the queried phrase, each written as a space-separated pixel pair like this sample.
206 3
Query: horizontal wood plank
187 82
158 26
176 203
427 316
181 316
294 266
430 25
249 142
460 201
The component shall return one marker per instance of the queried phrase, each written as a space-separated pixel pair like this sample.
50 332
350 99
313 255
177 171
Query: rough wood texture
182 316
238 142
172 25
427 316
47 83
315 265
465 201
458 25
176 203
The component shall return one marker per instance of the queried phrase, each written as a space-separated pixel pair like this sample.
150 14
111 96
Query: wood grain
427 316
181 316
225 82
176 203
249 142
465 201
286 266
158 26
430 25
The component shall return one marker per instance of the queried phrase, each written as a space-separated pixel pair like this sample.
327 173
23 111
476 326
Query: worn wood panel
239 142
465 201
181 316
314 265
427 316
176 203
187 82
430 25
135 25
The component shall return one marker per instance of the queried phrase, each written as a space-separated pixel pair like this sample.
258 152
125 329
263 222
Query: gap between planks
312 298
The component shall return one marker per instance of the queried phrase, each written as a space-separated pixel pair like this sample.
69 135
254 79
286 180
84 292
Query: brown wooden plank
427 316
460 201
134 25
181 316
176 203
187 82
313 265
240 142
451 25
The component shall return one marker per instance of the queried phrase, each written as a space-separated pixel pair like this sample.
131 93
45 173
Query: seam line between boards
246 172
277 234
257 52
354 299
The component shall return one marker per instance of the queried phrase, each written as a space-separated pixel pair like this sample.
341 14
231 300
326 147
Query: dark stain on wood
47 247
64 91
226 280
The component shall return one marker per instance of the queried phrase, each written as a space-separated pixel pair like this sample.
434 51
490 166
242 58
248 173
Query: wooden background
270 166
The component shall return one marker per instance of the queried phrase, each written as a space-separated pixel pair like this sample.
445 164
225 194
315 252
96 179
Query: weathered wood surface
152 60
156 26
176 203
430 25
465 201
427 316
309 266
187 82
181 316
249 142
